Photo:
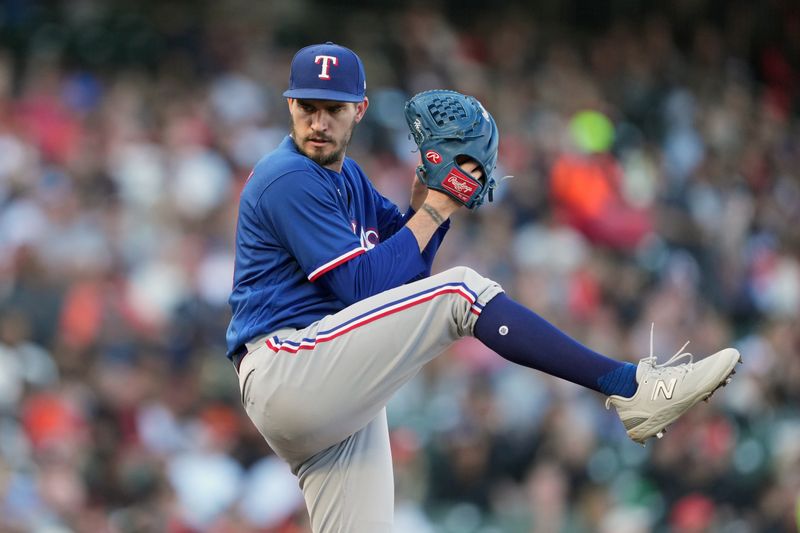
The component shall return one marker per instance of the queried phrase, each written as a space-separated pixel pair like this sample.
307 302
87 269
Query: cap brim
323 94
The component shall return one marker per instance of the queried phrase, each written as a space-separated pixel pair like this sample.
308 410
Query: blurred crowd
655 158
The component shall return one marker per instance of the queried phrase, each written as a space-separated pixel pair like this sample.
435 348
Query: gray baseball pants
318 394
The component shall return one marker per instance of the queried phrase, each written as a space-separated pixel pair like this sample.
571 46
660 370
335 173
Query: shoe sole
656 425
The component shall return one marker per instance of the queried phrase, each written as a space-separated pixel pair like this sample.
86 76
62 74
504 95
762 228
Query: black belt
239 356
241 352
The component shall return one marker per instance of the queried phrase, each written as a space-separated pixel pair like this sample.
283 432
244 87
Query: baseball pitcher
334 307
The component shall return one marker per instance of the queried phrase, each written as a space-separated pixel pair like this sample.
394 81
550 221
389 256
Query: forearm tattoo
434 214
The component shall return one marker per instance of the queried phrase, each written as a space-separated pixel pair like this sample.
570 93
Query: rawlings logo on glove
449 126
460 186
433 157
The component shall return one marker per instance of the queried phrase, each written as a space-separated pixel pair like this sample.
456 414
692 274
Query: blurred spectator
588 187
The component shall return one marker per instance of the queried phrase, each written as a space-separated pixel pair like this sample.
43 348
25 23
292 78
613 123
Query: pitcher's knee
473 281
476 291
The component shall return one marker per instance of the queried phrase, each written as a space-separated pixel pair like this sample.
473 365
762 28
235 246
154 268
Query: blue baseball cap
327 72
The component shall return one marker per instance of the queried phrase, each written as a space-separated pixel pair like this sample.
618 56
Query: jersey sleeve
390 219
391 263
309 221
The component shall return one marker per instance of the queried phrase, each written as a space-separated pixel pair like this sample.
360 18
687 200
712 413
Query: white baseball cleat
668 390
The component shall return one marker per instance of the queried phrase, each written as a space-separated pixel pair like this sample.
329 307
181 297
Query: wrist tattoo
434 214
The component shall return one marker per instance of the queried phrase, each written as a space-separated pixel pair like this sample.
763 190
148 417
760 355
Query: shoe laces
659 368
680 354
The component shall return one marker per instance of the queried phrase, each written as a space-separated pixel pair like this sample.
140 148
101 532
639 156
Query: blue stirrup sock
523 337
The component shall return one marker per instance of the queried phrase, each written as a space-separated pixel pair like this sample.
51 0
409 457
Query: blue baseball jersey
297 221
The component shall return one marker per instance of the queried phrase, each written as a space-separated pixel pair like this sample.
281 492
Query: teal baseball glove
450 127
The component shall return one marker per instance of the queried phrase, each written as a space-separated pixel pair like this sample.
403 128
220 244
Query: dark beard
324 160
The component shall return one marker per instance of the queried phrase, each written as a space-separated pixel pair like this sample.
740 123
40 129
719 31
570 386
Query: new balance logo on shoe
663 388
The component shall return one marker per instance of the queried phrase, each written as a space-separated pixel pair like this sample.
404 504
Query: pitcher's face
322 128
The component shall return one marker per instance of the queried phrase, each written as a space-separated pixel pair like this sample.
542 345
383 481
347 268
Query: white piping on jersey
336 262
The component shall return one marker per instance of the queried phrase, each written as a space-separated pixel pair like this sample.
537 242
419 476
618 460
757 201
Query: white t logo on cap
326 60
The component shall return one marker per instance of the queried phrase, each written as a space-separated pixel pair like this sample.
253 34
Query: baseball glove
449 127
